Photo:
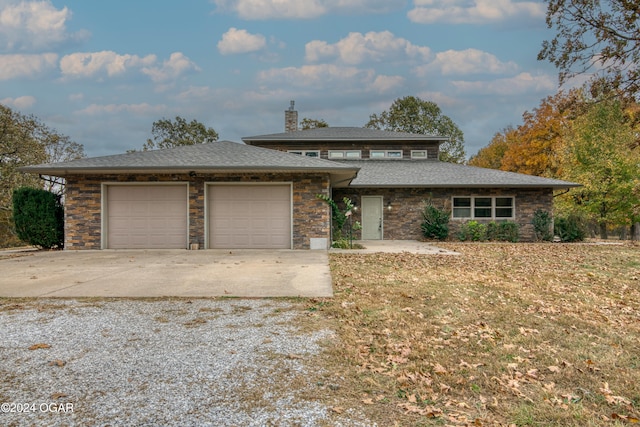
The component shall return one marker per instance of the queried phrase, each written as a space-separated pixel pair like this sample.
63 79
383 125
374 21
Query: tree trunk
603 231
635 233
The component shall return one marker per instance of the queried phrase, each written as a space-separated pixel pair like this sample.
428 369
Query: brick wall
83 222
402 221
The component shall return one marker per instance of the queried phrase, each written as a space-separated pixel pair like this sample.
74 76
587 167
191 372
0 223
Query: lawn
503 334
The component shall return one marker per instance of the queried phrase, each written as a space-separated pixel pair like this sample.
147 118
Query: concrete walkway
395 246
158 273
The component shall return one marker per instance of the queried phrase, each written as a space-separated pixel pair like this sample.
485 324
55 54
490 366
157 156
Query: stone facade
83 204
402 207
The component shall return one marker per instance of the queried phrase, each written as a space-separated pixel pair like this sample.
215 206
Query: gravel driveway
169 362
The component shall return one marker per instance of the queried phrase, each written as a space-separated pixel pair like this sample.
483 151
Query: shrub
570 229
542 225
38 217
472 230
504 231
508 232
435 222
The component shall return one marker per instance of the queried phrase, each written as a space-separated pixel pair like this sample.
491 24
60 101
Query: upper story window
419 154
345 154
483 208
385 154
308 153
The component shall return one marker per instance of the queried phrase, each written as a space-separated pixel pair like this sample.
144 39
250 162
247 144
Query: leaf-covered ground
503 334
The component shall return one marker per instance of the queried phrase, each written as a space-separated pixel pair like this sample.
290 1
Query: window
418 154
385 154
308 153
483 207
345 154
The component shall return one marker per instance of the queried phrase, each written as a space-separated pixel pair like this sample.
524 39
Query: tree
601 155
412 114
597 37
534 147
168 133
313 124
25 140
39 217
492 155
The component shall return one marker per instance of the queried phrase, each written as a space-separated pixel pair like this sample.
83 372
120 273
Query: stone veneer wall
403 221
83 224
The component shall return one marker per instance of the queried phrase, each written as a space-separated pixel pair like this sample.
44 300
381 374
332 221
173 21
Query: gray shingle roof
221 155
343 134
421 173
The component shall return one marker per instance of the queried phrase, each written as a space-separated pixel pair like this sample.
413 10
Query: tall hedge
39 217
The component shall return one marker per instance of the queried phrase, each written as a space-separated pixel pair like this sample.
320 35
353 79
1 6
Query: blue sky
103 72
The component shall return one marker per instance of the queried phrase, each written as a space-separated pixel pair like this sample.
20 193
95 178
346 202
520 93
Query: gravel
170 362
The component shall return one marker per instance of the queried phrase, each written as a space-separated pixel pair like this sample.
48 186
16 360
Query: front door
372 217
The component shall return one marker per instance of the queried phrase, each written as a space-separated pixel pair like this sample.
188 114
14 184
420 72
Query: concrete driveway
157 273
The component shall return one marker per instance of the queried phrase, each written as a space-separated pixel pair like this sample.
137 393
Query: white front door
372 217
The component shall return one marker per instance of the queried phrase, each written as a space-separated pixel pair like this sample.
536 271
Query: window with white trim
385 154
345 154
308 153
498 207
418 154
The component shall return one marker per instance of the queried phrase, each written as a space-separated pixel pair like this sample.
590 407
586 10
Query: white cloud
20 102
91 64
307 9
517 85
325 76
143 109
15 66
240 41
465 62
357 48
26 25
171 69
474 11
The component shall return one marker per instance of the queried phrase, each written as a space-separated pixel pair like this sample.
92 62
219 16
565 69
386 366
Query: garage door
147 216
249 216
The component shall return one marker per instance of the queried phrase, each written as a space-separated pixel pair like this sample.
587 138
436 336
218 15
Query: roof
328 134
436 174
224 156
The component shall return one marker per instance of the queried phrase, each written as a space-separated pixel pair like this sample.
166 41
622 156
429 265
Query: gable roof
340 134
420 173
223 156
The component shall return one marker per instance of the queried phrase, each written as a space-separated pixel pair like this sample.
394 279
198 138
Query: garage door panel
249 216
146 216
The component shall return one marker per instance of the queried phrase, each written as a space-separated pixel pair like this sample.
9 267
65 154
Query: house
263 193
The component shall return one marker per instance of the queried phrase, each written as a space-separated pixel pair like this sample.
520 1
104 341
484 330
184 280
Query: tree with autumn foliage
597 38
533 147
601 153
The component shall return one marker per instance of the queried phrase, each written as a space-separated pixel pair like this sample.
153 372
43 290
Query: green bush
542 221
570 229
472 230
504 231
508 232
435 222
39 217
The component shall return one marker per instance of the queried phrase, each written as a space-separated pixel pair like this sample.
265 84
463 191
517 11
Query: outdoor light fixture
389 205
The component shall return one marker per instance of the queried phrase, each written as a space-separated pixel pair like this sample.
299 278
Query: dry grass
504 334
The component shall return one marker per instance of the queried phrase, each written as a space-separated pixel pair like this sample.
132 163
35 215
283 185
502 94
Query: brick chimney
291 119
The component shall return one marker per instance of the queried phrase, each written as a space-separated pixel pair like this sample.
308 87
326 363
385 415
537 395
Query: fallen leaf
39 346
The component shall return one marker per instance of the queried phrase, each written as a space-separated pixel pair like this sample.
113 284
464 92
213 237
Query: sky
101 72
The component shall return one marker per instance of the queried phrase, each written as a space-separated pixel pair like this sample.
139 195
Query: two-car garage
156 216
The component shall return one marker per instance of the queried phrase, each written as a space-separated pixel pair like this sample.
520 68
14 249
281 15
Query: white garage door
147 216
249 216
